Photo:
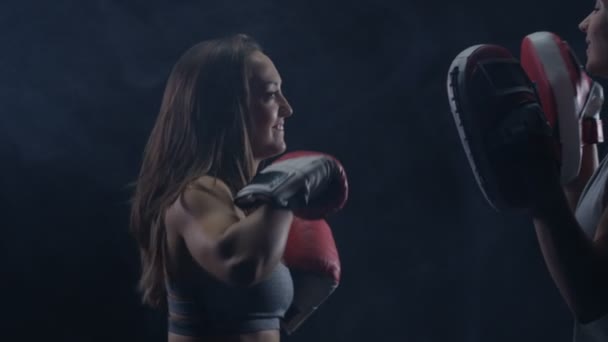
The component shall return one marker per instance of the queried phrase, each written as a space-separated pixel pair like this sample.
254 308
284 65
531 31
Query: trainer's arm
577 264
589 164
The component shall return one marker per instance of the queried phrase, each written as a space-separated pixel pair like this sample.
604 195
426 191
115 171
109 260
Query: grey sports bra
209 307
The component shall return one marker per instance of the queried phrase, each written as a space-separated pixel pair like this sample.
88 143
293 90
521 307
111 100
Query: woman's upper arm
201 217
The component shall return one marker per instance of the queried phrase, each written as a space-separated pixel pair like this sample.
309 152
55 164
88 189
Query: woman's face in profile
595 26
267 108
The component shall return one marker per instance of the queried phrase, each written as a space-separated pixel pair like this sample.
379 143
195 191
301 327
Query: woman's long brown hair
201 129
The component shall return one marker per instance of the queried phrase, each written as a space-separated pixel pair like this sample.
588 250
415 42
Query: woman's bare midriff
262 336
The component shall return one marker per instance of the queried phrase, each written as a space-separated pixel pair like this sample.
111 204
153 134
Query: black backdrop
424 257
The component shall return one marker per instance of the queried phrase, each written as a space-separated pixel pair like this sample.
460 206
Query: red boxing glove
312 258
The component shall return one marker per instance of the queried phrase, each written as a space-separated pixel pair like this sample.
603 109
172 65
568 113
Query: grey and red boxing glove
312 258
312 184
570 99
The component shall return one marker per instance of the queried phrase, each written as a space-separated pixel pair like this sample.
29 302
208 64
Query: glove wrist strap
592 131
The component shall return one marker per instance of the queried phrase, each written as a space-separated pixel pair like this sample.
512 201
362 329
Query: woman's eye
271 95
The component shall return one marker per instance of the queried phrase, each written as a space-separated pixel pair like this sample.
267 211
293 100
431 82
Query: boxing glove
312 258
312 184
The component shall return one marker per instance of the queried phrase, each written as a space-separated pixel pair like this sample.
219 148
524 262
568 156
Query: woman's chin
271 151
279 149
597 67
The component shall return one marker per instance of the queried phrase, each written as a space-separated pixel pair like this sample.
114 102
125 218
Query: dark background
424 257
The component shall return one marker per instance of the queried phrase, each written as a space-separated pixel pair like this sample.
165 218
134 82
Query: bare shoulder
206 202
205 194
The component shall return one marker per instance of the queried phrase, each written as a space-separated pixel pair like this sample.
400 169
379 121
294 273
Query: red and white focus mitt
570 99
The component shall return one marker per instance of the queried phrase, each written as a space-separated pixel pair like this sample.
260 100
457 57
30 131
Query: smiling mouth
279 127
